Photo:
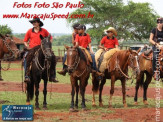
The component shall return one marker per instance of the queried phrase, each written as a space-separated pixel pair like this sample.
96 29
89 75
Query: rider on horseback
84 42
156 37
33 37
109 41
75 32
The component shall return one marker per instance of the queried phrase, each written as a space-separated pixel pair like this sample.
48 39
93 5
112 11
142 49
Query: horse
78 70
145 64
7 46
117 69
40 66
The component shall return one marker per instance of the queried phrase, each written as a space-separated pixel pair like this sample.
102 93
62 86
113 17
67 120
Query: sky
21 25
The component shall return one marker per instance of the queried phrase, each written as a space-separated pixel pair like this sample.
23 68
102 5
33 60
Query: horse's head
72 58
46 47
133 61
10 46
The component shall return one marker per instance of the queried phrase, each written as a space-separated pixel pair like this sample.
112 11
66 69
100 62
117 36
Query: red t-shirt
83 40
34 38
109 43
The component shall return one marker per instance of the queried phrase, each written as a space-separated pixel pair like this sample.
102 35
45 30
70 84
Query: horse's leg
139 80
111 90
72 92
28 97
37 94
100 92
83 84
123 82
0 72
45 93
145 87
77 91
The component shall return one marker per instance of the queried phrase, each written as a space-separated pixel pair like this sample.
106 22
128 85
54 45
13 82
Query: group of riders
82 40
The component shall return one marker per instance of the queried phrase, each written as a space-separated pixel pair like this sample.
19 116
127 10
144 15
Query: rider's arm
116 46
90 47
73 38
151 40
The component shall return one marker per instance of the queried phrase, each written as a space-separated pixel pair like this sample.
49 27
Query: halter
9 49
76 62
38 65
128 60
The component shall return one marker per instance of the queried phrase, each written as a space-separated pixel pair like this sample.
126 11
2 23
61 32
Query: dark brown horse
78 70
145 64
40 67
117 70
7 46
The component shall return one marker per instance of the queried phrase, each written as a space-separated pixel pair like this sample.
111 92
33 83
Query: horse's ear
66 47
49 36
139 50
41 37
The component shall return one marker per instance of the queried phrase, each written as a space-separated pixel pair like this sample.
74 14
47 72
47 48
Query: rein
8 58
75 65
119 68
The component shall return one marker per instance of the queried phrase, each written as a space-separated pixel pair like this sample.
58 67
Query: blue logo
17 112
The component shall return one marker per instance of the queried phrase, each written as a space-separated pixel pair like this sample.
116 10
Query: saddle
148 54
102 58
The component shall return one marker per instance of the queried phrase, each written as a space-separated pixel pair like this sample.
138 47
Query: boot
52 79
27 79
63 72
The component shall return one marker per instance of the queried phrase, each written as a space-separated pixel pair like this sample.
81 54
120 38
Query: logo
17 112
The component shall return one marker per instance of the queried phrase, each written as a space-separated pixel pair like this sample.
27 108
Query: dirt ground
120 114
66 88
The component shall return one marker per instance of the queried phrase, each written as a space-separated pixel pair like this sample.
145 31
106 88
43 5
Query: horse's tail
95 82
141 82
30 90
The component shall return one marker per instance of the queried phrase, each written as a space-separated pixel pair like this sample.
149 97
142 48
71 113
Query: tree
4 29
132 21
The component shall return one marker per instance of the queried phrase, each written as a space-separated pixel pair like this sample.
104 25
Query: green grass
60 102
16 76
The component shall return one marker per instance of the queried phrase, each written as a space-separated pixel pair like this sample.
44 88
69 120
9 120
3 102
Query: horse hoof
135 103
125 105
37 108
145 102
45 108
84 109
72 110
101 105
110 106
27 103
93 105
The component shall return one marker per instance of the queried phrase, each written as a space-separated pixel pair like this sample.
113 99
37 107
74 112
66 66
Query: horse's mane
81 54
2 36
32 51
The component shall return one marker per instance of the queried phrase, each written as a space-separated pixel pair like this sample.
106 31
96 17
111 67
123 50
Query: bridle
9 49
129 61
76 62
46 62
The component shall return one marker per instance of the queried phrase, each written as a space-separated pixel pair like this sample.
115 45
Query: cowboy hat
112 30
36 19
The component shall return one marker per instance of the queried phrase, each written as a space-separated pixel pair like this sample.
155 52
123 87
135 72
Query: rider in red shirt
74 34
33 37
109 41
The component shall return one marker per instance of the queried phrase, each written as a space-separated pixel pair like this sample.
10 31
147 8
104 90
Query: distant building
19 42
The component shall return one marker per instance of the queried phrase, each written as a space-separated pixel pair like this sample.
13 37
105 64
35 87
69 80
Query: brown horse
117 70
145 64
7 46
78 70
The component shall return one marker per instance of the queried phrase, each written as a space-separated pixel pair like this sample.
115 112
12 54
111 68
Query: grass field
16 76
60 102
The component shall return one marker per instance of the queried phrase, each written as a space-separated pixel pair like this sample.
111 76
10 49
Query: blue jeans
64 60
25 64
93 61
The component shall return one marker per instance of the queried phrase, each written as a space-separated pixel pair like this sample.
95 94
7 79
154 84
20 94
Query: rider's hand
92 52
106 49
